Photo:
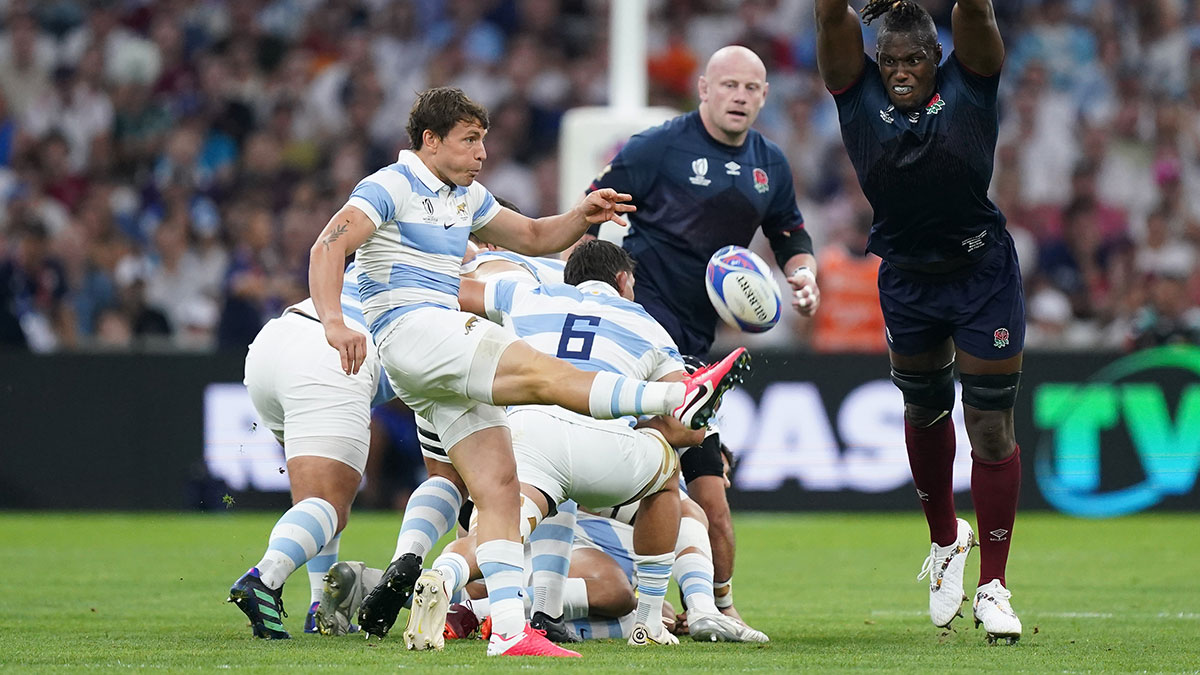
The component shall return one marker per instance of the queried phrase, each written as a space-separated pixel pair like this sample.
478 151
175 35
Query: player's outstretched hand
806 296
603 205
351 346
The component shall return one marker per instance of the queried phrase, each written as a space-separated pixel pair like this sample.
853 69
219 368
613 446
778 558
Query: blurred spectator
34 293
27 58
252 287
1168 317
848 284
137 135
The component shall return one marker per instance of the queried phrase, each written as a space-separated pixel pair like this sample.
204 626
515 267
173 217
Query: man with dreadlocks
922 138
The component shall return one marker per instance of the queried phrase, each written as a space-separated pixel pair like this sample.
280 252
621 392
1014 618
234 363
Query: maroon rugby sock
931 459
994 487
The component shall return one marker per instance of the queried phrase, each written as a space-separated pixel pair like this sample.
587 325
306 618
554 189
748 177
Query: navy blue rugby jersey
926 174
695 195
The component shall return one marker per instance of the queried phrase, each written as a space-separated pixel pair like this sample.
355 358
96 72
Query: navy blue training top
926 174
695 195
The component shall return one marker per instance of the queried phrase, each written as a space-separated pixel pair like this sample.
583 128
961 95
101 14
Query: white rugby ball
743 290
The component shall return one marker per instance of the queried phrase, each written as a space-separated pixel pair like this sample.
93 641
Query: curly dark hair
438 110
597 260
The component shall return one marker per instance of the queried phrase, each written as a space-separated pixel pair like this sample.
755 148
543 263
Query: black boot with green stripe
263 606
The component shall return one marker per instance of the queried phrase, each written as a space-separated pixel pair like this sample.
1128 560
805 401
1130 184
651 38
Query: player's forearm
555 233
325 267
827 10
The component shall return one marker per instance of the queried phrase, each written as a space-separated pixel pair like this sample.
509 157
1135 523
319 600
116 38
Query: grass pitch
835 592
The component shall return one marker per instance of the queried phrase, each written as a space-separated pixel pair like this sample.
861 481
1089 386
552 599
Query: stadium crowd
165 165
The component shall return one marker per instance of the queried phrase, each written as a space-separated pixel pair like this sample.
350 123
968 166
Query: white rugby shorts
442 363
597 463
297 385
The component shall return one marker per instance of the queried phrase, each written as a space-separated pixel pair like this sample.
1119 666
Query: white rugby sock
501 562
319 566
575 599
604 629
653 575
432 511
299 534
455 569
614 396
694 571
550 548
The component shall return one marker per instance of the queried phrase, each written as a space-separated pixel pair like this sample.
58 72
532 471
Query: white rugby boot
944 567
641 636
427 618
993 610
721 628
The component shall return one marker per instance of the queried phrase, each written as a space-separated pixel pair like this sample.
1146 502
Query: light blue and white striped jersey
352 313
545 270
589 325
413 258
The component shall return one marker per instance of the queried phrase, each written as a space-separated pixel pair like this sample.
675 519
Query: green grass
835 592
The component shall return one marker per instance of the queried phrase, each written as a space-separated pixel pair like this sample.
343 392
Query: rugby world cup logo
700 168
1001 336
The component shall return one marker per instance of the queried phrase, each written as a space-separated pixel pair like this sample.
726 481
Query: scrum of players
602 533
473 379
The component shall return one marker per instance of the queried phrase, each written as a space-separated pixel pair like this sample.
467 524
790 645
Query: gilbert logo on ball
742 289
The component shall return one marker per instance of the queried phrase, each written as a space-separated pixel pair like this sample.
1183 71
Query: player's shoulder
679 129
766 149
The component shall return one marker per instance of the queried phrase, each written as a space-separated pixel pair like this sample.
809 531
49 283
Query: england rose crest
1001 336
760 180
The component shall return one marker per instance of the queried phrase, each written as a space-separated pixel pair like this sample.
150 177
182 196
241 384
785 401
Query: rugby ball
743 290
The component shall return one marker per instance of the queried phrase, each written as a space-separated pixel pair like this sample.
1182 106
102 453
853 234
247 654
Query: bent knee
921 417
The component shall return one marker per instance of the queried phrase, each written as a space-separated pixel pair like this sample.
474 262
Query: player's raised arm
343 234
552 234
977 41
839 44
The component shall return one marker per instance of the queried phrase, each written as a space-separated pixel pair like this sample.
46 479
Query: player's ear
702 87
938 51
430 139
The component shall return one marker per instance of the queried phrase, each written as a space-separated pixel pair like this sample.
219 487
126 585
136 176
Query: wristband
803 270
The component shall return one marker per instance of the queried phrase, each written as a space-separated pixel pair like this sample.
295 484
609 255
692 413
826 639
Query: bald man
702 181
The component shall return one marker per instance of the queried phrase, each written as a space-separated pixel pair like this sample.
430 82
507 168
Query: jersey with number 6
589 325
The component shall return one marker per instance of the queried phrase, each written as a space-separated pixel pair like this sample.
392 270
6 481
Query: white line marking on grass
1185 616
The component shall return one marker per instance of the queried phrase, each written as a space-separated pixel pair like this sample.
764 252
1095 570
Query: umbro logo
924 496
999 534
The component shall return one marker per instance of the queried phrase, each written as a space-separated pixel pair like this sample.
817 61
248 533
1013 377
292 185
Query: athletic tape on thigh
478 418
990 392
482 373
932 389
667 467
345 450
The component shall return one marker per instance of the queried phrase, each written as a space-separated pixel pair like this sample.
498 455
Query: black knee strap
990 392
932 389
703 459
